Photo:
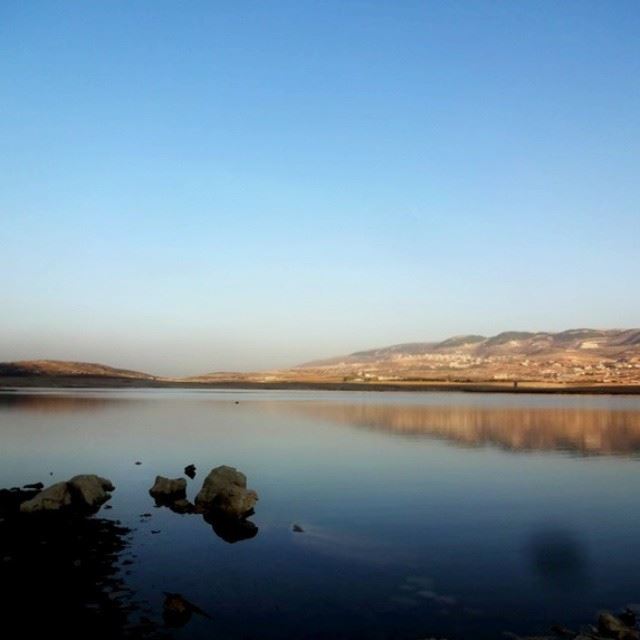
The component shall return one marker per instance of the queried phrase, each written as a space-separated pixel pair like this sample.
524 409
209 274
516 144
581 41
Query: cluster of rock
610 627
83 493
224 501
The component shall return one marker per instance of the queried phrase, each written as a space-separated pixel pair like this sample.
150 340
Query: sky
241 185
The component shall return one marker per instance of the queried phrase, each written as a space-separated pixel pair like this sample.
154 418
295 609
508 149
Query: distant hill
576 354
62 368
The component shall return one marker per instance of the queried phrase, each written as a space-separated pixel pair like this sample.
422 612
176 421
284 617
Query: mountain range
576 354
573 356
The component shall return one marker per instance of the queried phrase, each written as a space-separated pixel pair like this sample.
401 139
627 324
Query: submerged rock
169 488
297 528
225 490
177 610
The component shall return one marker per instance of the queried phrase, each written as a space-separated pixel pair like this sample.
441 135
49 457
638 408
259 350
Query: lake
423 514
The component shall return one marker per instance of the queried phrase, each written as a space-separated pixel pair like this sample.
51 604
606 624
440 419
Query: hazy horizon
190 188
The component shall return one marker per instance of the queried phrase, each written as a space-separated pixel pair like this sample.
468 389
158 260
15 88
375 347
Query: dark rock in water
154 531
225 490
177 610
611 626
168 489
237 402
108 506
34 485
297 528
629 617
190 471
138 463
230 529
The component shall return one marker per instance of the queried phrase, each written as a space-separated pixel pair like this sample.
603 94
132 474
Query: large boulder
82 493
90 490
225 490
54 498
169 488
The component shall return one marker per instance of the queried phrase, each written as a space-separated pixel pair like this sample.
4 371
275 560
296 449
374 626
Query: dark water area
423 514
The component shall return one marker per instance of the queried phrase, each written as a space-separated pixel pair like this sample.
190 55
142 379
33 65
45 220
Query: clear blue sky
192 186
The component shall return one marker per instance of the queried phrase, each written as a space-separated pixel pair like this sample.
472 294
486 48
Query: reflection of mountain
588 431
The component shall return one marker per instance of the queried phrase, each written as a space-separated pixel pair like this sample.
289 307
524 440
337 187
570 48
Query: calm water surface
451 515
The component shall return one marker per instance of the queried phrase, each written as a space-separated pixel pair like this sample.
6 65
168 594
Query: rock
38 486
177 610
138 463
82 493
225 490
190 470
53 498
168 488
612 627
297 528
629 617
91 490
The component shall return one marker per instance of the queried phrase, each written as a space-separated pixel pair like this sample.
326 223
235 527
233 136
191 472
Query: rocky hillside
577 354
61 368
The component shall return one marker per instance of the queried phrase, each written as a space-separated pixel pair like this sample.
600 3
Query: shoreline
9 383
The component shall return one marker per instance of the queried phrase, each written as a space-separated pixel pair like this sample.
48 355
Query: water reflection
230 529
586 431
58 403
559 557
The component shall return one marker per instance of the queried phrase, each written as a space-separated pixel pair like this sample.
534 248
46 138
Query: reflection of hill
589 431
52 403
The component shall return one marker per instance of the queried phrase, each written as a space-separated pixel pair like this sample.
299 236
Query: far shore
8 383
